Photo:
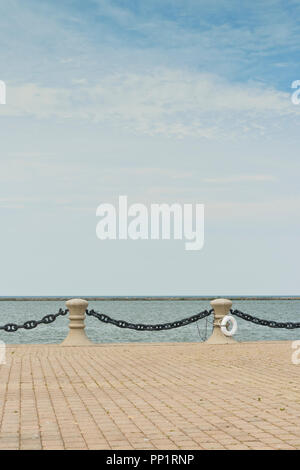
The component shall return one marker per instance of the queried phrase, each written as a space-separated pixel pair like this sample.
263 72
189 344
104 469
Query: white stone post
76 336
221 308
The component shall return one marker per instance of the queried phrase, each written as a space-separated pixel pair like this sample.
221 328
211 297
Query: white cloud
165 102
276 209
240 179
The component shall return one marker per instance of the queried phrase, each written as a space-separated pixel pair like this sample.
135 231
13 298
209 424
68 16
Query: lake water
153 311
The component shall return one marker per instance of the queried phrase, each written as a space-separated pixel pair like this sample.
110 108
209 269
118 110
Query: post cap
77 303
221 302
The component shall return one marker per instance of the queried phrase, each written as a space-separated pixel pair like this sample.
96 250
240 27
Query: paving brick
150 396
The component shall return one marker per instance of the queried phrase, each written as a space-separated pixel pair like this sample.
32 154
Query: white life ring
229 319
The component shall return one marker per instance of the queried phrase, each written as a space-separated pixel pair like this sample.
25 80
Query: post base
218 338
76 338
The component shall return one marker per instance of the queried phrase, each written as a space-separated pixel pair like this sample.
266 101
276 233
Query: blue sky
164 101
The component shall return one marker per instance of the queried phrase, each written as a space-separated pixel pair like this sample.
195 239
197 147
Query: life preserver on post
229 319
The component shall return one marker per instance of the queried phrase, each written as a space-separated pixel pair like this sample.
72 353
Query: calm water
146 312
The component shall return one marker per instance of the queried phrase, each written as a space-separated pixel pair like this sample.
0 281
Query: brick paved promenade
150 396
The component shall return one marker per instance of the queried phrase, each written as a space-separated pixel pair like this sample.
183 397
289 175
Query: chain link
150 327
259 321
30 324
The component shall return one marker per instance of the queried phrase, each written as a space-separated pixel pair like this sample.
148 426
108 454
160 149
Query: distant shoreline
145 298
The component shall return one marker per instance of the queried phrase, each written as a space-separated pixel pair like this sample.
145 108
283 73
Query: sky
163 101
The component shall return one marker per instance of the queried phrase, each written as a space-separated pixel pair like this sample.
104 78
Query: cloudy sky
162 101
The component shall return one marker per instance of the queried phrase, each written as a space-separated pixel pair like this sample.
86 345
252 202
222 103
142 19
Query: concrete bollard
221 308
76 336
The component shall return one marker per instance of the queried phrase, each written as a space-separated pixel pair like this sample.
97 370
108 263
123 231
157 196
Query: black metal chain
150 327
46 320
259 321
30 324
